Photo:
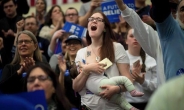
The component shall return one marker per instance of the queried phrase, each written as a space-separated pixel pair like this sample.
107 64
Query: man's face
71 15
10 8
30 25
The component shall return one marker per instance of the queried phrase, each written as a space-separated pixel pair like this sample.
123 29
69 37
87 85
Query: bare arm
124 70
20 26
83 19
145 34
80 81
53 42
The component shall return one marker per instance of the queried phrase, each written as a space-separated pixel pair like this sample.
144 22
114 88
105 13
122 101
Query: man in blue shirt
171 34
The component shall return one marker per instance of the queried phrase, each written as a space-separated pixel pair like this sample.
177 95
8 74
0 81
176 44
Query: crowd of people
144 47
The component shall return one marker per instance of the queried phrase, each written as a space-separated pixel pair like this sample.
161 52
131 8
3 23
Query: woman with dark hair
54 21
101 44
26 55
145 77
41 77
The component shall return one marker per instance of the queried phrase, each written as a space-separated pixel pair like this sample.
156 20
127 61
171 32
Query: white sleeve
45 33
145 34
151 83
80 57
120 54
82 10
49 52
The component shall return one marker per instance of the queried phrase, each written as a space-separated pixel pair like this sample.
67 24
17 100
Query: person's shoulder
12 66
149 57
82 50
117 44
9 65
46 26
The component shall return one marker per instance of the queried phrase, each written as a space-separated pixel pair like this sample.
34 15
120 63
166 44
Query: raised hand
20 25
62 64
57 34
120 4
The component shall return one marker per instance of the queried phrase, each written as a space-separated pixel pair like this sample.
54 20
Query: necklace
97 57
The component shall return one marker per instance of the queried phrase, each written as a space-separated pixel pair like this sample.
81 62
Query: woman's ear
36 46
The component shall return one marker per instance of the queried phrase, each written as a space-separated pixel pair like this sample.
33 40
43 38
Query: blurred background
63 3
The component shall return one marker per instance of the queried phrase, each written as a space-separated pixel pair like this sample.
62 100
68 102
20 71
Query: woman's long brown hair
107 48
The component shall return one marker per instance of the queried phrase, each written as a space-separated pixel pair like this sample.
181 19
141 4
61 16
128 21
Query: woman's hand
28 63
62 64
57 34
97 68
137 75
108 91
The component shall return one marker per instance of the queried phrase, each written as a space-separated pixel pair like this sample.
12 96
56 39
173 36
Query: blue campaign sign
58 48
24 101
75 29
111 10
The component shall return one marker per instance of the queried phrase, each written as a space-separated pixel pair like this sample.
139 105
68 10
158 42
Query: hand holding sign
75 29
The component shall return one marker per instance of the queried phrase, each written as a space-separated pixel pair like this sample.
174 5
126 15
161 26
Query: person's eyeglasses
41 78
72 14
27 24
72 43
25 41
96 19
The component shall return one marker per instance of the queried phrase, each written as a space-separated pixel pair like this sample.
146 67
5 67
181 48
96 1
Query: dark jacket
6 24
10 81
22 8
72 96
4 58
43 45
